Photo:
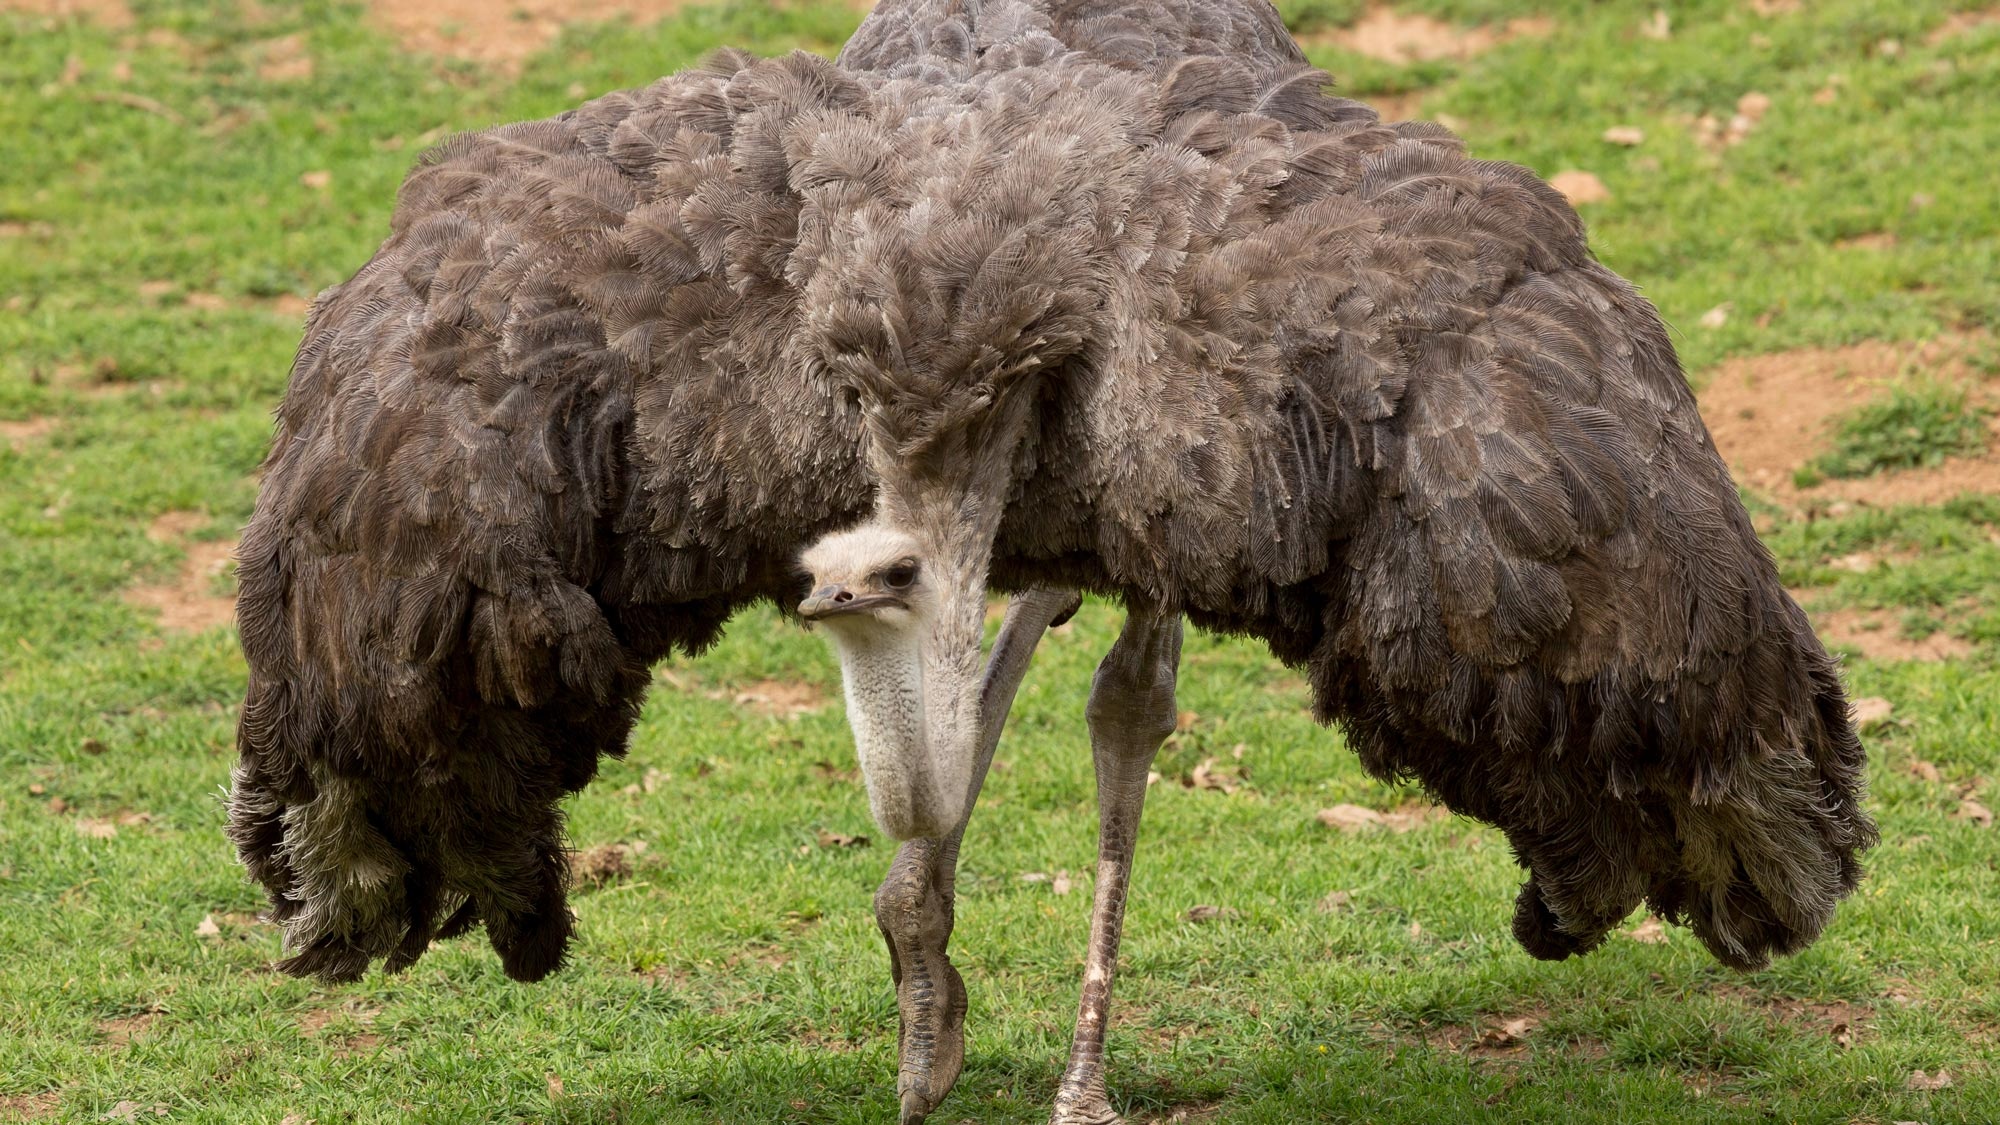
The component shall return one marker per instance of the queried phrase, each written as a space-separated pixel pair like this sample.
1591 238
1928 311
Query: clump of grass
1918 425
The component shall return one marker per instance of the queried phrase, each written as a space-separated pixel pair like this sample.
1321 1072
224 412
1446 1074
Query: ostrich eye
900 576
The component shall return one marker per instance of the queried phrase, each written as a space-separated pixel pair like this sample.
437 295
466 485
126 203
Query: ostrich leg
914 905
1131 713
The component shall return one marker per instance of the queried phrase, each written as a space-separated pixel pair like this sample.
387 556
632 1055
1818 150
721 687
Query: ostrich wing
522 455
1548 603
1375 402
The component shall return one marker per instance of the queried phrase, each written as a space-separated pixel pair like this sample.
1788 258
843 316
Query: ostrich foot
915 916
1088 1107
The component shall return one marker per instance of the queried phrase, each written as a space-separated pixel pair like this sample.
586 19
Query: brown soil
1495 1039
1398 107
284 59
500 33
30 1107
189 604
1876 635
1844 1021
1771 414
18 434
1961 23
605 863
110 13
1393 37
349 1023
1580 187
784 699
120 1032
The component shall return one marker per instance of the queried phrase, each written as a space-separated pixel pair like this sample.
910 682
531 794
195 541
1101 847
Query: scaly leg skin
1131 713
914 905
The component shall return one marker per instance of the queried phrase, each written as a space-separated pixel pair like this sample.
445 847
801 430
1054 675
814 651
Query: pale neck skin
917 764
882 669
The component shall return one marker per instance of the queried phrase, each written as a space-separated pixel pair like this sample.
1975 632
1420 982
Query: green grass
737 975
1909 427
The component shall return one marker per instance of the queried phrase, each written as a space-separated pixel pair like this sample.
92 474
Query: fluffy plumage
1299 372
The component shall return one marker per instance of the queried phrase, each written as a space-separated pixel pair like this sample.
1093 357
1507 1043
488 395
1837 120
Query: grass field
177 178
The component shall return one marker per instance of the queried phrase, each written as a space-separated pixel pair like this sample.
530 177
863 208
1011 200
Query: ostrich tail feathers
375 865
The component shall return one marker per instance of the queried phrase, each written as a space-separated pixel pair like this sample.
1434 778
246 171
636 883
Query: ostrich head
872 595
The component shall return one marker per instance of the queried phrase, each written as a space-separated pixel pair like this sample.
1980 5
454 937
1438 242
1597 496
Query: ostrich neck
914 788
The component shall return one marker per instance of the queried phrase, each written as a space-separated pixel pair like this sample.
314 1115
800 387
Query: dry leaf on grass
829 839
1652 931
1337 902
1627 135
1207 913
555 1084
317 180
1842 1035
296 1119
1658 26
132 1111
1926 771
1717 316
1508 1032
1226 780
1871 711
1969 809
94 828
1060 885
781 699
1579 187
1918 1080
1350 818
207 927
1355 818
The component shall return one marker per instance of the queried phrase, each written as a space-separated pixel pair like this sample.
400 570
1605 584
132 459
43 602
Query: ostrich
1028 296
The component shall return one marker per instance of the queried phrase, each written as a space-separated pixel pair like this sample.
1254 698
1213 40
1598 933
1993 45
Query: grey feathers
1303 374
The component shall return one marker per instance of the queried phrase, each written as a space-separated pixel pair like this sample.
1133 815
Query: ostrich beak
833 599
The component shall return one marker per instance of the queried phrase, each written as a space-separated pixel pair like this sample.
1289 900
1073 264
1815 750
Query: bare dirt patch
1962 23
501 33
114 14
1393 37
1505 1039
121 1031
347 1028
605 863
784 699
20 433
1839 1020
1392 108
30 1107
284 59
1772 414
188 604
1875 634
1188 1114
